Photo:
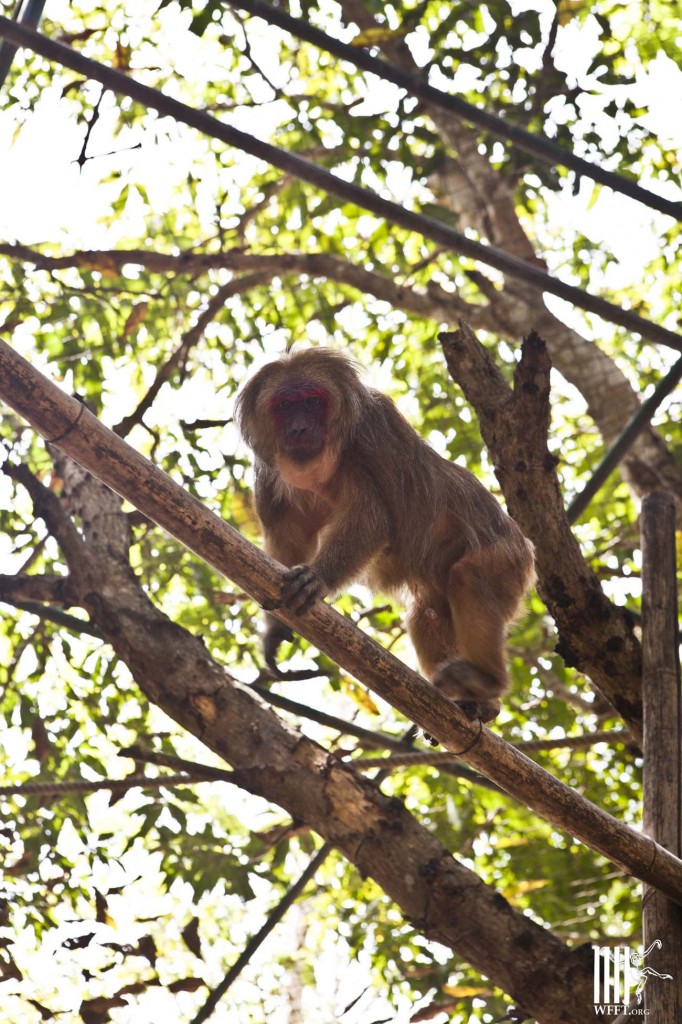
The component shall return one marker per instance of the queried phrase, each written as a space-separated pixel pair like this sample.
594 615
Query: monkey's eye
313 401
286 403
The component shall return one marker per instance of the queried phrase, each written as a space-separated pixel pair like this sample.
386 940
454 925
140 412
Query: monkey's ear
245 409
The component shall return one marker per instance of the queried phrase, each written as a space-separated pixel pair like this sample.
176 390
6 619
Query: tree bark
661 919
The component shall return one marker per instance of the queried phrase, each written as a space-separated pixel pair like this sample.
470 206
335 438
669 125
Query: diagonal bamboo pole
67 424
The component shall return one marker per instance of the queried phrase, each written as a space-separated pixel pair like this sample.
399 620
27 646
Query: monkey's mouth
303 449
302 443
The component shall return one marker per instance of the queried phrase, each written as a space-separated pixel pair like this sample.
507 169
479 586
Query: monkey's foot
302 588
484 710
473 691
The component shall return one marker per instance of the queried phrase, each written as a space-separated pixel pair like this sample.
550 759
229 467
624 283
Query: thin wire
624 441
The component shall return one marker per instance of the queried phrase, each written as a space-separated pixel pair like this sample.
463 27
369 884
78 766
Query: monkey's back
436 511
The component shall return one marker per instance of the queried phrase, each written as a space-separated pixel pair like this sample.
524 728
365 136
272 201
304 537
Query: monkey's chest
313 475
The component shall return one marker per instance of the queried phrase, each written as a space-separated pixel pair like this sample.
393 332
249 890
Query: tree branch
647 465
370 740
528 273
442 759
53 589
47 788
257 940
538 145
430 301
47 507
189 339
596 636
56 615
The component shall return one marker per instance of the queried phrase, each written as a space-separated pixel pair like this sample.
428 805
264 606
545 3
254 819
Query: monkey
346 490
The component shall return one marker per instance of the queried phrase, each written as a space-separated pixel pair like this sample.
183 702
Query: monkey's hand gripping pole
66 423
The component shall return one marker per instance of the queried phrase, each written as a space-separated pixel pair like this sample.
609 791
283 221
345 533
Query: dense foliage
125 907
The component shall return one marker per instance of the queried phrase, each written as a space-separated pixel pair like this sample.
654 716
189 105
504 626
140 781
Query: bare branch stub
595 636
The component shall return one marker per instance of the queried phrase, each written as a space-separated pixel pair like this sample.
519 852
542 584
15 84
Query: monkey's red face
300 414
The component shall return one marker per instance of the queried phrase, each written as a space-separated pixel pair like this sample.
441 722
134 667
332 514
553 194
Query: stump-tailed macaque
346 490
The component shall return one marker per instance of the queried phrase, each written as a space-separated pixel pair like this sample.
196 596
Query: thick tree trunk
596 636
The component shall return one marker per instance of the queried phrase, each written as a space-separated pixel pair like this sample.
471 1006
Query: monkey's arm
357 531
290 536
274 634
326 546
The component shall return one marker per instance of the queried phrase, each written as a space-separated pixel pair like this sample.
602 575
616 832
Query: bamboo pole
661 919
66 423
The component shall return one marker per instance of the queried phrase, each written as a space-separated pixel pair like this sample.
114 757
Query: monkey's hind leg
430 626
484 591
